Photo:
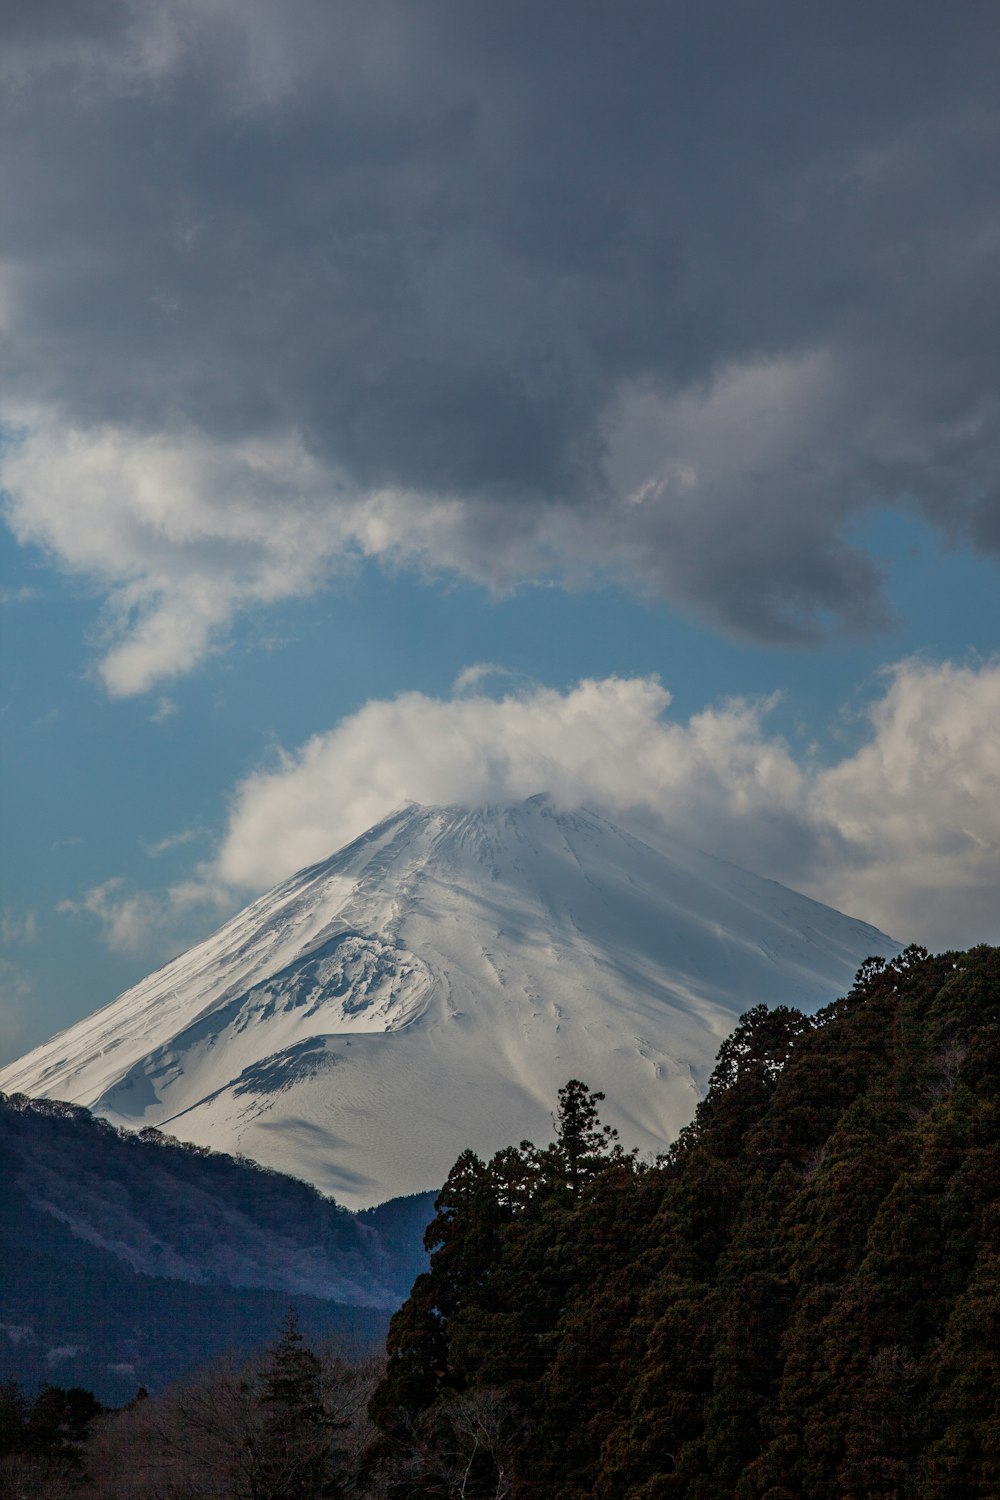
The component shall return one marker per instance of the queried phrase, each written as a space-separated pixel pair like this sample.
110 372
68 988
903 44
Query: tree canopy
799 1301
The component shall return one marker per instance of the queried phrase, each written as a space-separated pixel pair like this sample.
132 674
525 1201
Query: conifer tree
582 1147
13 1416
294 1448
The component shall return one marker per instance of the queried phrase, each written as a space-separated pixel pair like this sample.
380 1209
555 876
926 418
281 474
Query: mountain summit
433 984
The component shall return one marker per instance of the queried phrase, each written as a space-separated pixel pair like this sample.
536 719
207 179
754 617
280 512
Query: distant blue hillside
130 1259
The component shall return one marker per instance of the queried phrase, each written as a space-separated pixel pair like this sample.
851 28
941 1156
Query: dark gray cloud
672 289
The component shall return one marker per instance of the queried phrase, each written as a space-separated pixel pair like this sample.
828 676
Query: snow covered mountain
432 985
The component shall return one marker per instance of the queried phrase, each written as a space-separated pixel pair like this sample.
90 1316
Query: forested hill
801 1300
131 1258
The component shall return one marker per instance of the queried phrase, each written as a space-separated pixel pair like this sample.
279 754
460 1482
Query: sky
452 402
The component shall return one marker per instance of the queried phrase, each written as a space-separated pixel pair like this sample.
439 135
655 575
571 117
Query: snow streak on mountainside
433 984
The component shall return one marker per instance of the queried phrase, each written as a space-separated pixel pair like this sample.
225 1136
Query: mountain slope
188 1214
430 987
74 1314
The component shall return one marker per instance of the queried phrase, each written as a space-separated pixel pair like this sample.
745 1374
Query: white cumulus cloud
905 831
182 533
918 807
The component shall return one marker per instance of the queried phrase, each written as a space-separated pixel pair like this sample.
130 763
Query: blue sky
346 351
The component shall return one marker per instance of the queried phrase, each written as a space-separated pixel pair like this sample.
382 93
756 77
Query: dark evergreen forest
799 1301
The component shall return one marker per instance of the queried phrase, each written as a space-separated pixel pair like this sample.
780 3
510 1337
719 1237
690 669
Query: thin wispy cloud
18 927
174 841
17 1000
473 677
165 709
151 924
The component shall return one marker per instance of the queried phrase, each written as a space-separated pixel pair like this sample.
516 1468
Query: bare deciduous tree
216 1437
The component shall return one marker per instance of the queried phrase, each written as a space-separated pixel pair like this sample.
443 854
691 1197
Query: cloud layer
476 289
904 832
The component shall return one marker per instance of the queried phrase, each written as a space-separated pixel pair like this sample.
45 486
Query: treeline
42 1440
288 1424
799 1301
